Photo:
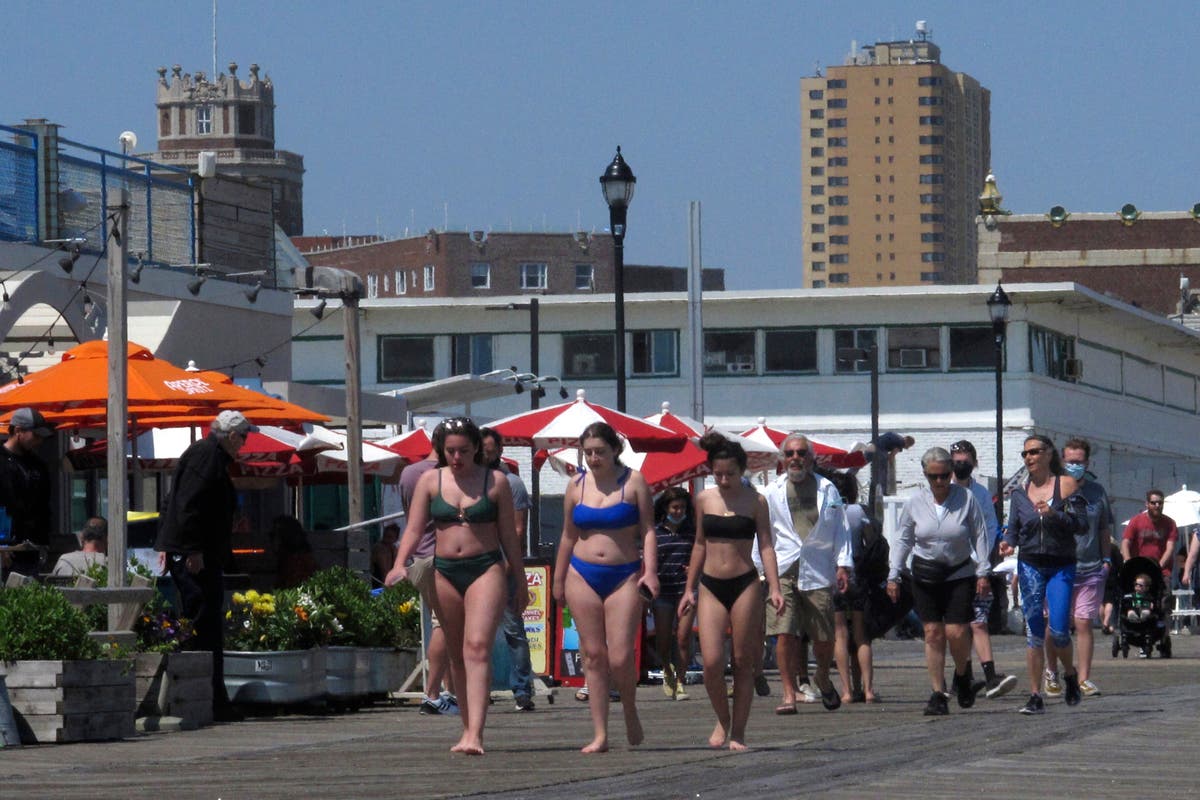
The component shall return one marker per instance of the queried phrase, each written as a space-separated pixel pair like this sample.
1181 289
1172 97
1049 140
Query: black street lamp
998 305
618 183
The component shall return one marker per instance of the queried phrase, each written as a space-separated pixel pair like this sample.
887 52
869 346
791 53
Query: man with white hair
812 543
195 539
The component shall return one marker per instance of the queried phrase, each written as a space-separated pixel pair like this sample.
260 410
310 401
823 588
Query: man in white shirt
812 544
93 543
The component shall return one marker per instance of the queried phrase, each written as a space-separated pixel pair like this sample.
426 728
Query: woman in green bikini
471 508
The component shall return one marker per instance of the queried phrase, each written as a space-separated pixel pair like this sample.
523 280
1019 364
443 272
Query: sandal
831 699
786 709
582 695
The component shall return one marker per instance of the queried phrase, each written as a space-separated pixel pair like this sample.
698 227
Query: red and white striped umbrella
759 456
660 469
412 446
160 448
560 426
826 455
376 460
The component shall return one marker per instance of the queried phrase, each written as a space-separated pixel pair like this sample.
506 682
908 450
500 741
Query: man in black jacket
195 536
25 487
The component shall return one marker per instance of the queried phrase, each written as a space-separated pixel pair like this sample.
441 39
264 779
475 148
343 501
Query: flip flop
831 699
582 695
873 700
786 709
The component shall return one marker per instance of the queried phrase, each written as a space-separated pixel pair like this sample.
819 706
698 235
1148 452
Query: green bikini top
482 510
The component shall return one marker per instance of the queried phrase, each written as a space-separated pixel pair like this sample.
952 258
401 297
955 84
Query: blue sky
502 115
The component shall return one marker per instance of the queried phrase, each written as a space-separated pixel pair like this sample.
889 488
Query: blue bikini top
608 518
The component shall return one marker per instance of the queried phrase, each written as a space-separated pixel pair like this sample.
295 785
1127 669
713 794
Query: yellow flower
228 615
239 598
252 595
406 606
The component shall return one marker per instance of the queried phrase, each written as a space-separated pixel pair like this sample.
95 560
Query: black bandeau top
731 527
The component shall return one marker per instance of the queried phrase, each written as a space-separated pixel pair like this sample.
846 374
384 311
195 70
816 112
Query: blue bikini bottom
604 578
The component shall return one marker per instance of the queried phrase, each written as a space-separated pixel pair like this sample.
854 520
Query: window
429 273
1049 352
817 208
481 277
932 237
815 94
839 258
839 219
839 161
818 266
972 348
585 278
816 152
245 117
933 218
818 247
372 285
931 258
818 227
729 353
655 352
818 284
852 339
913 349
405 359
816 113
789 351
816 172
816 133
588 355
837 102
839 200
401 279
931 100
839 277
816 188
533 276
837 141
835 83
934 177
932 277
837 122
931 199
840 239
204 119
930 120
929 80
839 180
931 158
472 352
932 139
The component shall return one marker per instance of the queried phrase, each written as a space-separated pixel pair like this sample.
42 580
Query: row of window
840 83
400 279
762 351
532 276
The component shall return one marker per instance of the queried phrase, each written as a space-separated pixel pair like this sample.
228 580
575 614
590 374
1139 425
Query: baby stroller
1142 616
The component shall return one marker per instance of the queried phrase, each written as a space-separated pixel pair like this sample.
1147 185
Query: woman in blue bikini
471 508
608 515
729 518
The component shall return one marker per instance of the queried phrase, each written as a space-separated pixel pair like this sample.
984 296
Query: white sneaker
1052 686
806 694
1089 689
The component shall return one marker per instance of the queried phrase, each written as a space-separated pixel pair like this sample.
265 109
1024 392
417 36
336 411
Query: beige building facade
895 149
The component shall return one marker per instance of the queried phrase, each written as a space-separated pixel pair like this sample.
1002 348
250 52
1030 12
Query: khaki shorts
810 611
421 575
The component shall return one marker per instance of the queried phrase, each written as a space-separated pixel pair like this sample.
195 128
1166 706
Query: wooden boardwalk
1139 738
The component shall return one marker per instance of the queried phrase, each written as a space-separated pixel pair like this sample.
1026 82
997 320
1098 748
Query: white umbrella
376 460
1183 507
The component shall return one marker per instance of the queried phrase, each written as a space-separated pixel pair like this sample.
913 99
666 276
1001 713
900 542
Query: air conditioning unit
585 363
1072 369
912 358
739 367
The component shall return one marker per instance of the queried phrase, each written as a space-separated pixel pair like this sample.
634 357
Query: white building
1077 363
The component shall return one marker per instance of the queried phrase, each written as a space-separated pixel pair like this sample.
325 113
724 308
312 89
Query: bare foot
633 727
598 745
734 744
846 698
718 737
469 747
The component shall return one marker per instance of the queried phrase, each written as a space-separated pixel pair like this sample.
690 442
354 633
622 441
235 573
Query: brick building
478 264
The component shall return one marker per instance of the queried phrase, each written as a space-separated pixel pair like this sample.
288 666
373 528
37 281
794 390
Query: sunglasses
1140 585
1154 502
1033 451
801 453
938 476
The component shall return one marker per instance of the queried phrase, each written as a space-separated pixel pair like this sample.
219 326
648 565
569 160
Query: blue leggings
1046 589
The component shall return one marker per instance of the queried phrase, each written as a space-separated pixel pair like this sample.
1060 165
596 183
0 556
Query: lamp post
618 183
871 356
998 306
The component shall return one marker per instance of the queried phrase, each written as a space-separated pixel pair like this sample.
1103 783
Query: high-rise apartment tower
895 150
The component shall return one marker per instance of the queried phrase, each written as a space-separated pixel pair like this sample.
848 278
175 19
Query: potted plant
347 657
60 688
171 682
394 634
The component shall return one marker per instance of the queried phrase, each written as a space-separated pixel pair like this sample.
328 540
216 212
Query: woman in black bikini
728 519
471 507
607 516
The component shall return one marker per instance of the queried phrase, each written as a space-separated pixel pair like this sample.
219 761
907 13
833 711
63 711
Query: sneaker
937 705
432 707
806 693
680 694
1071 693
1144 652
1051 684
1000 685
452 704
1089 689
761 687
1034 705
669 684
977 687
963 688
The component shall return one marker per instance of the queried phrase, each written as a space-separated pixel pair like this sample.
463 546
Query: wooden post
354 473
117 394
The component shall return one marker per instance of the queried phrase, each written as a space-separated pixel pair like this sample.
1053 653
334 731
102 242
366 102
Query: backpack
872 552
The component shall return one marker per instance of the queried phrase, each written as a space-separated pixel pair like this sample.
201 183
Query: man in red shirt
1152 534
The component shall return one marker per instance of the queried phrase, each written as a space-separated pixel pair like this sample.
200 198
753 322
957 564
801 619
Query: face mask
962 469
1075 470
674 520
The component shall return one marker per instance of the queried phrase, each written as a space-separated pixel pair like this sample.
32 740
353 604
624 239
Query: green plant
349 597
97 615
159 630
37 623
395 617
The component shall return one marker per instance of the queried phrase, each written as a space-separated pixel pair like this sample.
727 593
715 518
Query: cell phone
645 592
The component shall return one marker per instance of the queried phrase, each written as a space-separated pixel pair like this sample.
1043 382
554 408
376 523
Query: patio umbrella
677 422
1183 507
827 455
660 469
759 456
160 449
412 446
560 426
376 460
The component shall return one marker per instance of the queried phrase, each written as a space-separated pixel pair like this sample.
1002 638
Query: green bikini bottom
462 572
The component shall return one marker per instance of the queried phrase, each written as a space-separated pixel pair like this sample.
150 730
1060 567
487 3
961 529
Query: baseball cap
30 419
233 422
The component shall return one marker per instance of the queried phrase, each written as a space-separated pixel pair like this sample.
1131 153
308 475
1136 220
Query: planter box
175 685
277 677
347 673
389 668
71 701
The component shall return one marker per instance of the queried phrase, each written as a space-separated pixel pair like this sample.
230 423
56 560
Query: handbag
926 570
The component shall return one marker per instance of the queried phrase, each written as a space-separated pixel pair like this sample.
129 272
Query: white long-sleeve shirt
827 545
955 534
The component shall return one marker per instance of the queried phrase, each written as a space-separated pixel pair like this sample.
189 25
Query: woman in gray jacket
943 528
